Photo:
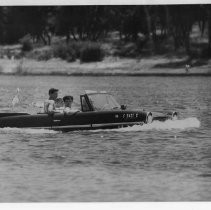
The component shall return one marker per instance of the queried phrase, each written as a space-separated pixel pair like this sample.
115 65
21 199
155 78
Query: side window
85 107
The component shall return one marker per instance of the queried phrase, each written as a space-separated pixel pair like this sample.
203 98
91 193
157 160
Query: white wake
183 124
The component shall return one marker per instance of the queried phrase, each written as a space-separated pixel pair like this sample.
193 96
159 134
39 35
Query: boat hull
75 121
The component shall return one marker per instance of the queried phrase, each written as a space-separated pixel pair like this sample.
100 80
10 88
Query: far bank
154 65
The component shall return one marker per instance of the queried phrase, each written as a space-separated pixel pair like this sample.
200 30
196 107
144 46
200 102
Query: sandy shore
109 66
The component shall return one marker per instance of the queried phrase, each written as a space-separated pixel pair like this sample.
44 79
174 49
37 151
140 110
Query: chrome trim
110 124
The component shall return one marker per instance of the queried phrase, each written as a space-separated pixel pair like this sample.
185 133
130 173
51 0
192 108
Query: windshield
101 101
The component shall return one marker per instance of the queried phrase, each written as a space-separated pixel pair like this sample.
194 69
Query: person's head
53 93
68 100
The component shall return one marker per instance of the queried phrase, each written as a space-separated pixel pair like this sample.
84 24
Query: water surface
168 161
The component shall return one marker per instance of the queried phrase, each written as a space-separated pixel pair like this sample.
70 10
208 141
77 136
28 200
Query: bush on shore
65 52
42 54
26 44
85 51
91 52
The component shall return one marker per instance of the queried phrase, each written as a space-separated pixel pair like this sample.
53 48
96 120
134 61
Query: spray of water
183 124
167 125
16 99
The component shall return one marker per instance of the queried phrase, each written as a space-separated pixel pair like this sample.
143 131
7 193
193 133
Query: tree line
93 23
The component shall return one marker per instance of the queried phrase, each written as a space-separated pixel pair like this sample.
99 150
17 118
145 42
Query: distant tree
201 17
63 21
18 21
159 20
11 31
1 24
155 22
182 20
82 22
148 22
131 22
209 26
36 22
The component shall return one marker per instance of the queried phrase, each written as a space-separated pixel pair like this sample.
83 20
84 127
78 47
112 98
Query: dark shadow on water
205 175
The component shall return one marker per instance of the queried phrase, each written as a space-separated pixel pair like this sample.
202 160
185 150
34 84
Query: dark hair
67 98
52 90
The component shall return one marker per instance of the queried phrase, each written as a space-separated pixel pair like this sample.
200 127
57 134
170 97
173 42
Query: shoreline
111 66
108 74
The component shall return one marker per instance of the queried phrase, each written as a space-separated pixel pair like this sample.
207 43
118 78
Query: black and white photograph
105 103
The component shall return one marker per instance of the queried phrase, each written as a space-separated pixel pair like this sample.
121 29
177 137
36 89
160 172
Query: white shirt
68 110
49 106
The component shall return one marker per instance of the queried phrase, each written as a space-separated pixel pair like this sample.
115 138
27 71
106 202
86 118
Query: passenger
59 103
68 100
49 105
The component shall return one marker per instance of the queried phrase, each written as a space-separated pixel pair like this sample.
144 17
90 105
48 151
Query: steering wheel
116 107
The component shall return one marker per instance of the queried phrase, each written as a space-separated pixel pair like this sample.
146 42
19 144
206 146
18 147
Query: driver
49 105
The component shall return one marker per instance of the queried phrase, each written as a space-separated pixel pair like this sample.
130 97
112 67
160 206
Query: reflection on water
163 161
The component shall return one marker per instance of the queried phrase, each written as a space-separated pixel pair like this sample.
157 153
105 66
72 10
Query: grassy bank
109 57
154 65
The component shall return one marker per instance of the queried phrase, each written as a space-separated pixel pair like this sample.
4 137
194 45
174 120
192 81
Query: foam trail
27 130
167 125
187 123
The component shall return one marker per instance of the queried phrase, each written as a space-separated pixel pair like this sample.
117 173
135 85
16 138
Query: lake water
163 161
